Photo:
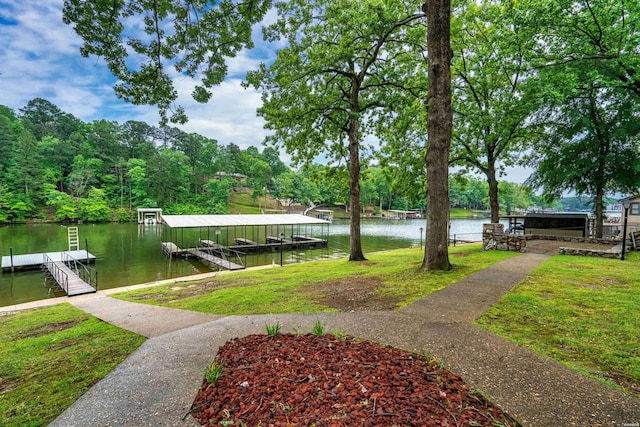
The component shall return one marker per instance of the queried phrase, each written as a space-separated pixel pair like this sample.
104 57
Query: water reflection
130 254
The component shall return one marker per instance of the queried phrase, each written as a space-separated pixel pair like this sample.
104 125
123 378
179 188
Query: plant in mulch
213 372
273 329
323 380
318 328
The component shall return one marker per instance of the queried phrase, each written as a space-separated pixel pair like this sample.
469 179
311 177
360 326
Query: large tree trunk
439 122
493 195
599 211
355 242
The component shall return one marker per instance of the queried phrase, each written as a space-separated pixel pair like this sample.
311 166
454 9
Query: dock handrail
87 274
61 278
240 256
221 252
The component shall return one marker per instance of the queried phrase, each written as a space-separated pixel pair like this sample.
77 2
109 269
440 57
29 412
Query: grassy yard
242 203
460 213
301 288
580 311
49 357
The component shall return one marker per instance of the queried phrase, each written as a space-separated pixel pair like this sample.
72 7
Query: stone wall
494 238
571 239
608 253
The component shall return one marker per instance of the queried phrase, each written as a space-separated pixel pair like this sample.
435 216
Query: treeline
54 166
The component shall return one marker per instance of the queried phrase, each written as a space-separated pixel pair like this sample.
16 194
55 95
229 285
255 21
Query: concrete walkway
157 383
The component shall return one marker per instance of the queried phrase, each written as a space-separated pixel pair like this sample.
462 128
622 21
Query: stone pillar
491 235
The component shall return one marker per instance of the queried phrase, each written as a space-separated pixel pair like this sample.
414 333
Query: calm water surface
130 254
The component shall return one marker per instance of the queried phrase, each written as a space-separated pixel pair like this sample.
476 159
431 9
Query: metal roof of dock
194 221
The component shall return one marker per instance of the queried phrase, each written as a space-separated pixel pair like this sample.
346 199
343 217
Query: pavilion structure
149 216
233 236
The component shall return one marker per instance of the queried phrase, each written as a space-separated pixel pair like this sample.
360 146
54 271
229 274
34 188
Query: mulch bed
309 380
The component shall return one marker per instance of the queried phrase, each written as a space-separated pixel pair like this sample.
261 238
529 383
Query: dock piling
11 256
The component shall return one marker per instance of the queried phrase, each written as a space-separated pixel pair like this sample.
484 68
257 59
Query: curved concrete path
157 383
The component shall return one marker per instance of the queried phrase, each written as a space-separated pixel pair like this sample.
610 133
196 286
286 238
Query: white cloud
230 116
40 58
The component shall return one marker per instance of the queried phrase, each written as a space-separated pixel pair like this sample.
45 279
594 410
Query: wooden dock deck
209 244
273 244
241 241
68 280
35 261
171 249
216 260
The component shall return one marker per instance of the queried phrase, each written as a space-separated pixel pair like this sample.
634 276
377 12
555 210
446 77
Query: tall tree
190 37
347 64
592 147
25 168
295 188
494 93
169 176
439 123
7 140
40 117
139 138
586 54
597 37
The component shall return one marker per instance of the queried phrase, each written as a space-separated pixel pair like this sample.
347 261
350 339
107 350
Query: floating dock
232 240
69 280
35 261
212 259
208 252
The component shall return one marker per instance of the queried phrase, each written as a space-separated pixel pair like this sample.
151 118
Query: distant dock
36 261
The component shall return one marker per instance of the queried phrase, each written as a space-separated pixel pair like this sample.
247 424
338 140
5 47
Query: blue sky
40 58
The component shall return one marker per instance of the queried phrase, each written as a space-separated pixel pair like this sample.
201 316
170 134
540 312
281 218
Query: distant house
236 176
633 220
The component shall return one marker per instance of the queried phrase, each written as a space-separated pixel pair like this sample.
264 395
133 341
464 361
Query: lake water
130 254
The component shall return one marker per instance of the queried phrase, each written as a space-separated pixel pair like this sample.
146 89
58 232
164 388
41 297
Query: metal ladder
74 239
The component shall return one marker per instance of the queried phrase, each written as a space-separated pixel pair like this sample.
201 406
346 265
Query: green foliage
592 147
587 67
4 204
294 187
217 195
594 40
169 166
318 329
134 165
50 357
19 207
332 183
193 38
94 207
274 329
123 215
213 372
333 83
495 93
6 143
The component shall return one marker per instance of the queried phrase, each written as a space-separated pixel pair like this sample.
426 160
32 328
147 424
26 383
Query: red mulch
306 380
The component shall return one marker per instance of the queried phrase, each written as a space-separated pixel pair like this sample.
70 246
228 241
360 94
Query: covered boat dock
226 239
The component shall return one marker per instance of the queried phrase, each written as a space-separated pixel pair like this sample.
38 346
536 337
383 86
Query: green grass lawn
581 311
459 213
242 203
280 290
50 356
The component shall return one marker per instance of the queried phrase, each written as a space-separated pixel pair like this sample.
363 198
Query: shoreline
10 309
